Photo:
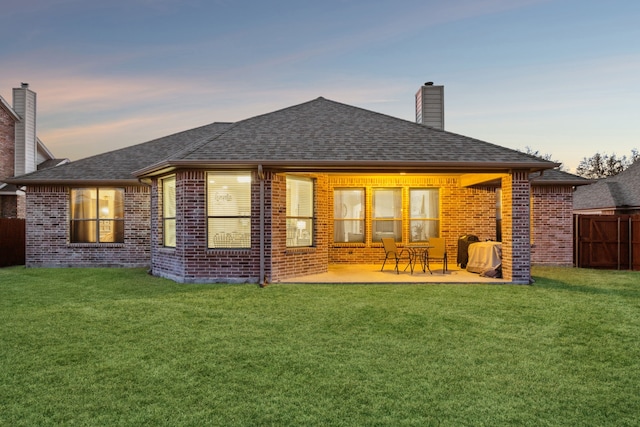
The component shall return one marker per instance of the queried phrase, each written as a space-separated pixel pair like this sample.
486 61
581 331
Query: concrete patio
370 273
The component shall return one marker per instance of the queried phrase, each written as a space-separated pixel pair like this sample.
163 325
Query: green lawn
119 347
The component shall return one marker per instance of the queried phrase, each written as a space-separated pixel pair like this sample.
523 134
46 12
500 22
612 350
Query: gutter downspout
262 279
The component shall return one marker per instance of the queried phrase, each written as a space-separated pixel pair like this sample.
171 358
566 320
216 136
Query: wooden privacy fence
12 237
607 241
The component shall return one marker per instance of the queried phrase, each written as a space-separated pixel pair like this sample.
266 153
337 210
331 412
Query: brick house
21 151
289 192
618 194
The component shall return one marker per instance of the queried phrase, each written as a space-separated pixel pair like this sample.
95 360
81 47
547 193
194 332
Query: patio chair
391 252
438 251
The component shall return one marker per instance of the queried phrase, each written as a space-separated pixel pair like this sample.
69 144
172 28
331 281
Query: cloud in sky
549 74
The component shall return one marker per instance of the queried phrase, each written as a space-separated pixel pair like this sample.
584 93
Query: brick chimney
26 154
430 106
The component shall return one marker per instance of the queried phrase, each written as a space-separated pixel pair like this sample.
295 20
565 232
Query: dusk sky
559 76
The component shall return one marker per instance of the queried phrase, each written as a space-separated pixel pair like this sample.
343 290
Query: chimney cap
428 84
24 85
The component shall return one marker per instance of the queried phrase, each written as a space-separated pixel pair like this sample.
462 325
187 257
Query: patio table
420 252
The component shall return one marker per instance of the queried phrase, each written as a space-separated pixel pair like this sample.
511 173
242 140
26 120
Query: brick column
516 247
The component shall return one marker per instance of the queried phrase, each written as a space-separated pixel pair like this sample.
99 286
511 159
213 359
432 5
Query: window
387 214
97 215
348 214
229 209
299 211
169 211
424 213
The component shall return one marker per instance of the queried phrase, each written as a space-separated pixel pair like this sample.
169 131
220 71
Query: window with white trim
348 215
386 214
424 214
229 209
299 211
169 211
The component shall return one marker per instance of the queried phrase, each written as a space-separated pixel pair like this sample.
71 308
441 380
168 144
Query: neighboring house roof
43 150
316 135
5 105
618 191
8 189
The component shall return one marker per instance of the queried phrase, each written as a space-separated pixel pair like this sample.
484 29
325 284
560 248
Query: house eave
77 182
338 166
574 183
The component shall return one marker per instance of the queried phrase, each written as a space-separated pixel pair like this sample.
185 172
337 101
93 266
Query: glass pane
387 203
348 231
229 233
387 228
83 231
424 203
111 203
169 197
299 231
83 203
422 230
170 233
299 197
348 212
348 204
387 214
229 194
111 231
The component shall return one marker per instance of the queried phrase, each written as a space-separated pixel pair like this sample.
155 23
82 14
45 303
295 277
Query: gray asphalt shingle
327 131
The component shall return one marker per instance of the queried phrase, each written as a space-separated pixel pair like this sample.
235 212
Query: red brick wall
9 205
462 211
292 262
552 233
47 243
516 247
191 261
7 144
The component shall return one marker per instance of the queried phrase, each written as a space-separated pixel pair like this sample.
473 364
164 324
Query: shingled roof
558 177
317 135
330 135
619 191
118 165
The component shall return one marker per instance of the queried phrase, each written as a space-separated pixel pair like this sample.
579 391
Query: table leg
425 262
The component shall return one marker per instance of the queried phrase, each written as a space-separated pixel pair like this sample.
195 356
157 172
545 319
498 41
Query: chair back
438 248
389 244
